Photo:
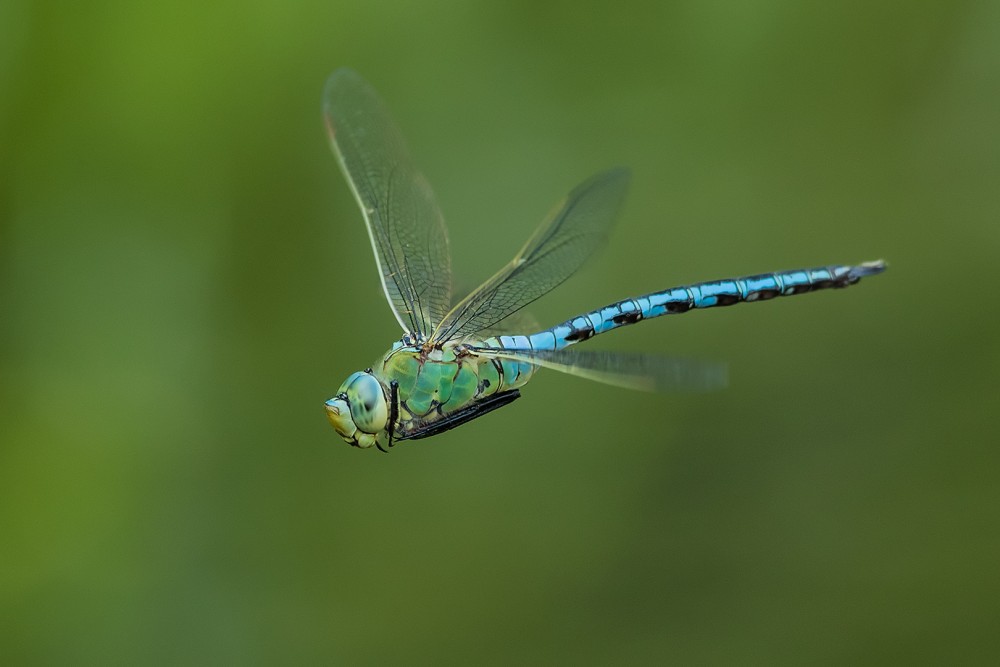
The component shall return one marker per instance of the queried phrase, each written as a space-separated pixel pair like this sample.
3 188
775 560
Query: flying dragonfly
460 359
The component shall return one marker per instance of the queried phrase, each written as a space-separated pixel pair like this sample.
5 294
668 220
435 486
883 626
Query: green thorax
436 382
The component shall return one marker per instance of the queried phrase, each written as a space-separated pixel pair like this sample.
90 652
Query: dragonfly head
359 411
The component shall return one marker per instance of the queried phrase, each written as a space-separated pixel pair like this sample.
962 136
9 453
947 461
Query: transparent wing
631 370
404 222
519 321
579 225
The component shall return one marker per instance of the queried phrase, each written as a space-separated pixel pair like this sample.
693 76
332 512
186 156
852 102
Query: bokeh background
185 278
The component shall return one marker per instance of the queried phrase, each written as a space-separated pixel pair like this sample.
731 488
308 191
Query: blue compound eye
369 408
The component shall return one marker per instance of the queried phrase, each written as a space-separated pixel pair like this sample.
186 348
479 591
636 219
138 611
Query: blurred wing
554 252
631 370
405 226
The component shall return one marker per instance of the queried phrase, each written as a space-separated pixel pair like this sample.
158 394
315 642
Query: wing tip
338 79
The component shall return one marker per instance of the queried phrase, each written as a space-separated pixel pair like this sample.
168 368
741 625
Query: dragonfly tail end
867 269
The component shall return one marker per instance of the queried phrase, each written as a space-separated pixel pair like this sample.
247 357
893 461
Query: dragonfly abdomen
678 300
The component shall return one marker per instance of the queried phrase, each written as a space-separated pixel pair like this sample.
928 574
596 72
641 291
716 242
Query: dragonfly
461 358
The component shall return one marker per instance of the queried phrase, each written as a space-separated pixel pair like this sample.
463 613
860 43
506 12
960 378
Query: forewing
405 225
578 226
631 370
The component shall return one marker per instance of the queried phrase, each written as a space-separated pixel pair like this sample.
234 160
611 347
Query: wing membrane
554 252
405 225
631 370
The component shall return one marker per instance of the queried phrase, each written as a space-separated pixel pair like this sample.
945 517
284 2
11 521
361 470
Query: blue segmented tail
682 299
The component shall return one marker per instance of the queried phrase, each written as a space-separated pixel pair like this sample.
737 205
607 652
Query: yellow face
360 410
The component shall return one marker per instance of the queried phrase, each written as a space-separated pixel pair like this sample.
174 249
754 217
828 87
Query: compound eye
368 404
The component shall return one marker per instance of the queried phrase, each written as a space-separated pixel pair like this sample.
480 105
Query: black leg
393 408
393 414
464 415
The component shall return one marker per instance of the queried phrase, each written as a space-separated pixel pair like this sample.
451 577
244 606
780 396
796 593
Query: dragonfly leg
464 415
393 408
393 414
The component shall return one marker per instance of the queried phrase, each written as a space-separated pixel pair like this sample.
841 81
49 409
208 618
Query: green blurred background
185 278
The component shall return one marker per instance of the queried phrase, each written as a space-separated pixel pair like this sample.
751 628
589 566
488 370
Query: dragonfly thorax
411 339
